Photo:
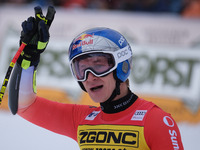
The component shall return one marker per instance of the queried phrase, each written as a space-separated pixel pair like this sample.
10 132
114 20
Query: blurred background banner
165 43
166 50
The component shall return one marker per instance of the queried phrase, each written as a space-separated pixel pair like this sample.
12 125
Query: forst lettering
59 72
148 70
107 137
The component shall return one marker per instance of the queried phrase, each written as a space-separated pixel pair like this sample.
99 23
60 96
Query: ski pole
12 64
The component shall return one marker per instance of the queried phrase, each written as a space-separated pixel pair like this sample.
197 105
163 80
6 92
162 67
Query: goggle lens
99 64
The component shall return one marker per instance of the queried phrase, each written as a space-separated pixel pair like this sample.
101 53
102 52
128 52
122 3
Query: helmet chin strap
115 92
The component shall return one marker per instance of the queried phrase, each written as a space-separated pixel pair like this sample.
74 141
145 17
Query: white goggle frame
119 56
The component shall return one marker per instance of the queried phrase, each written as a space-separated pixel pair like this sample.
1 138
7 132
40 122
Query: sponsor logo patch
168 121
139 115
92 115
100 137
85 39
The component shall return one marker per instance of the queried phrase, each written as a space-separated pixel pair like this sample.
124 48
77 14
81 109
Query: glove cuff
29 57
25 63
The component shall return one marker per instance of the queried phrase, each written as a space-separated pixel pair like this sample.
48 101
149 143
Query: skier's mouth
96 88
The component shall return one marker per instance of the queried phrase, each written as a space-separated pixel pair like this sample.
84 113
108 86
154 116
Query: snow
17 133
190 134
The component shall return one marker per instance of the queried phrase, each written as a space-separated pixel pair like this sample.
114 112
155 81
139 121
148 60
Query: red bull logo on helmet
84 39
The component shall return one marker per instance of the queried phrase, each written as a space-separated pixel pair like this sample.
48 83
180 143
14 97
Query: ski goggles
99 63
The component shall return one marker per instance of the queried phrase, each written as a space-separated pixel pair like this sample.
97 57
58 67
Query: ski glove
35 35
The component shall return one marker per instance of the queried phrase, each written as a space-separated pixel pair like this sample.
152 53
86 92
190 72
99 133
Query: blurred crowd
186 8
